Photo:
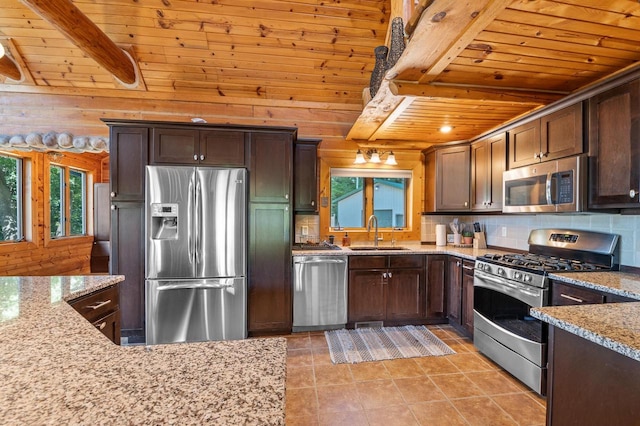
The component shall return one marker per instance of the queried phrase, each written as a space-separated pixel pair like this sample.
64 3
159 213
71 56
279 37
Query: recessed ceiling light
446 129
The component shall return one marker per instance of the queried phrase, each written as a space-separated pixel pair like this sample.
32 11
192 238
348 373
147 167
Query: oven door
505 332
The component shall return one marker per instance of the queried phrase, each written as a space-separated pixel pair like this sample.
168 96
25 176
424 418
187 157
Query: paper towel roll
441 235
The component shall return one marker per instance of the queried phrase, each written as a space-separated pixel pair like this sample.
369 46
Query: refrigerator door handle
198 220
189 220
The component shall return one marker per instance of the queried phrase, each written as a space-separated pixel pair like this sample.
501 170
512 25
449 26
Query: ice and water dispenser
164 221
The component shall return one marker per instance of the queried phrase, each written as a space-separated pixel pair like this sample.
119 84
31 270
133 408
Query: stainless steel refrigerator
195 288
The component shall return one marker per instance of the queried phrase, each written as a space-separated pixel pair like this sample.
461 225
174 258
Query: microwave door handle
548 189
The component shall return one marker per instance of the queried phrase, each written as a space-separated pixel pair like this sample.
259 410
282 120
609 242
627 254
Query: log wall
40 255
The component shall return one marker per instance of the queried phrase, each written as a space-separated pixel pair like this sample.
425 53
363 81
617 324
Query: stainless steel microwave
552 186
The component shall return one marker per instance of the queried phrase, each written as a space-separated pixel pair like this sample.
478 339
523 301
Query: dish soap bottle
346 240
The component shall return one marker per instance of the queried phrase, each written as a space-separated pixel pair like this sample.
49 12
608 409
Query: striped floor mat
375 344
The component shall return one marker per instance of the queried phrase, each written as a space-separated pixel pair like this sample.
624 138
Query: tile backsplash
512 231
307 228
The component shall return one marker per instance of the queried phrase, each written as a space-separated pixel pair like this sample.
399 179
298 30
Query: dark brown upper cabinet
447 183
128 158
614 148
199 147
305 175
488 161
271 166
553 136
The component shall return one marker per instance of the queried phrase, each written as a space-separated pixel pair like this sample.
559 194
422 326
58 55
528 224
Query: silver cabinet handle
113 195
384 275
99 305
286 196
390 275
102 325
195 157
201 157
542 154
575 299
113 206
633 193
458 263
535 155
313 203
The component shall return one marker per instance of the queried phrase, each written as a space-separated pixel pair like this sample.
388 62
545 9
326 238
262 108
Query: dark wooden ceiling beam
9 68
81 31
474 93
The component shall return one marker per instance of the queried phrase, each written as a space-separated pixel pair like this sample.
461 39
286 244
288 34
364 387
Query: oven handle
548 188
532 296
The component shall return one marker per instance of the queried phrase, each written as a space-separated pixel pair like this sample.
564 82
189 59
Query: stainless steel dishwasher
319 292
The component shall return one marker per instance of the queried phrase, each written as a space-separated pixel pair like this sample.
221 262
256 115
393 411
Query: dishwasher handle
312 261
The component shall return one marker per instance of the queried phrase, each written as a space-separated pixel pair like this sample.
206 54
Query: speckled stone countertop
613 325
56 368
620 283
411 247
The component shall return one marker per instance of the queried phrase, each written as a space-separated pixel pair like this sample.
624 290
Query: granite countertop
55 367
613 325
412 247
620 283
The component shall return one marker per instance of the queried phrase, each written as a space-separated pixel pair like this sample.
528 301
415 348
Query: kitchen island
594 363
55 367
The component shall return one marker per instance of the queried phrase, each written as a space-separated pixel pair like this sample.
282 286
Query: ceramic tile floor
462 389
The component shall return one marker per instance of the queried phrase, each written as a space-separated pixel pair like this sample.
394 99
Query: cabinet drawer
109 325
563 294
406 261
367 262
97 305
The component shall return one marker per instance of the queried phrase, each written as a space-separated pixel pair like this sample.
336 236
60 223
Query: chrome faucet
374 219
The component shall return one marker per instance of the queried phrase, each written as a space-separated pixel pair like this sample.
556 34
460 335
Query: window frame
19 198
368 176
67 164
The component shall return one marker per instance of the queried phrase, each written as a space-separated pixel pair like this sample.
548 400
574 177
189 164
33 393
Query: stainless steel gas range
507 286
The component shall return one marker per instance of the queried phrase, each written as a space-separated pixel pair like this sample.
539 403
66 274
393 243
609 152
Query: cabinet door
127 258
436 299
366 295
561 133
222 148
480 163
467 296
305 177
128 155
524 144
453 184
454 293
405 294
497 147
614 148
174 146
269 300
109 325
270 167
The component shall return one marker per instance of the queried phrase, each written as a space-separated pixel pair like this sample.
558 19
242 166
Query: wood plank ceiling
474 64
478 64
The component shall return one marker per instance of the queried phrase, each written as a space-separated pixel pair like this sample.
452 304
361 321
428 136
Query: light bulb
446 128
359 158
375 157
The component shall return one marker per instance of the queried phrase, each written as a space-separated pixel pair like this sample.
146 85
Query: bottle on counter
346 240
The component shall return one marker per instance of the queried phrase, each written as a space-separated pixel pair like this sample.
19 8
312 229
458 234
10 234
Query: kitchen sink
381 248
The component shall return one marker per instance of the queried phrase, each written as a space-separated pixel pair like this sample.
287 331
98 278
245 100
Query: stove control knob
527 278
501 271
517 275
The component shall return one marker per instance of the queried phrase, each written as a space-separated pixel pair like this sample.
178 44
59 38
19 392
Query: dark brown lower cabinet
102 309
127 258
436 295
460 293
467 296
269 298
386 288
589 384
